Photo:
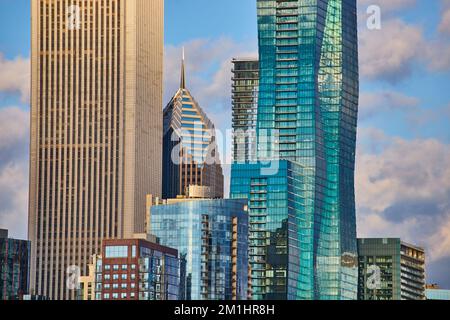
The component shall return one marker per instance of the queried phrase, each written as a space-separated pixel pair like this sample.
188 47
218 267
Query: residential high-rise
245 89
390 269
212 235
14 267
307 117
96 130
190 153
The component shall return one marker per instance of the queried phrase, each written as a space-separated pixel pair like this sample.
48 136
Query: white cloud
437 54
392 53
441 240
372 103
14 136
15 76
444 26
208 69
404 191
14 197
388 54
387 6
14 123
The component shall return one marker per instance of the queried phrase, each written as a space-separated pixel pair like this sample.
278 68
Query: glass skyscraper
190 155
14 267
245 104
307 116
390 269
212 235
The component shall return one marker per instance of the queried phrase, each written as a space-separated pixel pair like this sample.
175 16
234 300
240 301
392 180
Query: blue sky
403 171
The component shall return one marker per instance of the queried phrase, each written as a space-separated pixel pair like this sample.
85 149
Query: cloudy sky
403 161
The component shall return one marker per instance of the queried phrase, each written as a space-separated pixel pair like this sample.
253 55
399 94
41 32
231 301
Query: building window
124 277
107 267
115 296
116 252
123 295
107 276
124 286
115 277
124 267
106 296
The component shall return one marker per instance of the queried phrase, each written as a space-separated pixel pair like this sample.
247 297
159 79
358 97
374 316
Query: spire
183 74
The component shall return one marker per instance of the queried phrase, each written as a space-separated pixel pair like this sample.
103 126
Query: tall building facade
390 269
14 267
190 153
212 235
96 129
245 87
307 115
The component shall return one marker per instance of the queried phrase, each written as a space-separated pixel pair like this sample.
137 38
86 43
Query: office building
434 292
283 259
212 235
307 116
135 269
14 267
96 130
390 269
245 87
190 153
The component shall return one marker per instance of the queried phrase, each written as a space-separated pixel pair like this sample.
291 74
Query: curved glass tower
307 117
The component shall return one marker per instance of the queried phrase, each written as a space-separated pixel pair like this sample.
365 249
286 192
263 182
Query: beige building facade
96 130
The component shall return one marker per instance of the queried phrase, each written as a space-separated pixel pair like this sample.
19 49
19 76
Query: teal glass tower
306 128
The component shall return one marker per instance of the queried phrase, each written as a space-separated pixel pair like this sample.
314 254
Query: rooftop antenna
183 74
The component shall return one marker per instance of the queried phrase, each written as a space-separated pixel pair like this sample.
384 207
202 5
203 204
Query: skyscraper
245 89
96 130
212 235
390 269
307 116
14 267
190 155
